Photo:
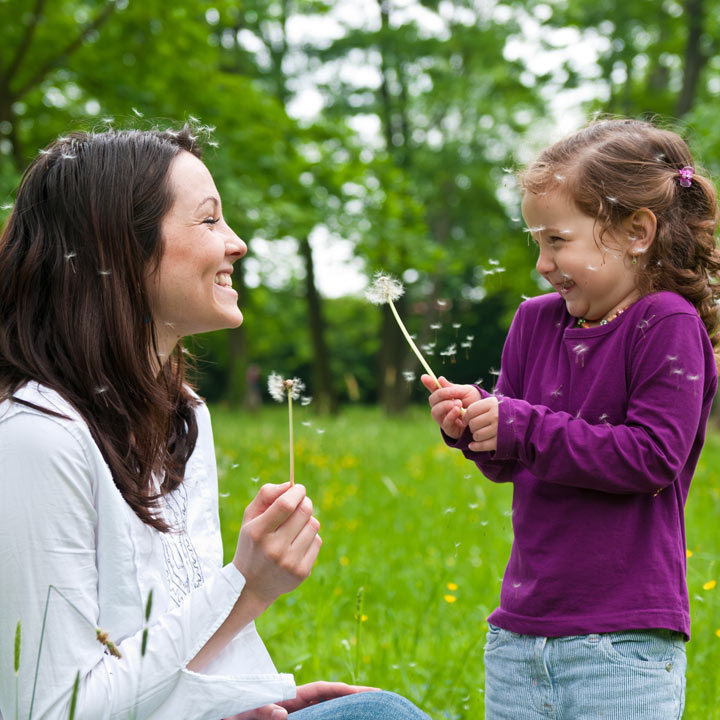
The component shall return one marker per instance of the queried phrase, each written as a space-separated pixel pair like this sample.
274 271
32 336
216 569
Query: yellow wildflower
689 553
452 586
344 561
709 585
449 598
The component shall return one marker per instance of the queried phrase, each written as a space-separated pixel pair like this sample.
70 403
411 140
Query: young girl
598 419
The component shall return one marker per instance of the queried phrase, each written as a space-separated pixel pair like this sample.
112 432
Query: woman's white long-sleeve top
65 526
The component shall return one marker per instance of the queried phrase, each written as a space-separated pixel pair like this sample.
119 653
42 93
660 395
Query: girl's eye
554 240
211 221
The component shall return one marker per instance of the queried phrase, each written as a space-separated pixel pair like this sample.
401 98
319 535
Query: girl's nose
545 263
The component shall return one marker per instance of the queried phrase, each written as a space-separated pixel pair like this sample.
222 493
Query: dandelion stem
412 344
292 451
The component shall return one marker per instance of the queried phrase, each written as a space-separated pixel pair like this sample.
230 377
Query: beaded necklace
582 322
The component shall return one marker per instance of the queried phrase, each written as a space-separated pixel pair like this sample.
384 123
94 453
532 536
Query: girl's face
595 278
191 291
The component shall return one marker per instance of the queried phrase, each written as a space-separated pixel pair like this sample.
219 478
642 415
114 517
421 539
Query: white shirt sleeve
48 539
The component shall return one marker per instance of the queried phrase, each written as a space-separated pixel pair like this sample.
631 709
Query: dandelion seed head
384 289
279 388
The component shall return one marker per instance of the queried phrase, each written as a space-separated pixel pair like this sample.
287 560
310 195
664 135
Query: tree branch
25 42
69 49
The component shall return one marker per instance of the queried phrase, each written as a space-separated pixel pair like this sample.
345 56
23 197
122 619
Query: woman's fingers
266 496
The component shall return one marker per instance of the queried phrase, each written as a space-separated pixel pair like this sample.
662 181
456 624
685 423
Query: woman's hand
447 403
482 419
278 543
310 694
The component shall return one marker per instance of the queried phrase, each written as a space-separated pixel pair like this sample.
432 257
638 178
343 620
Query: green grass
402 517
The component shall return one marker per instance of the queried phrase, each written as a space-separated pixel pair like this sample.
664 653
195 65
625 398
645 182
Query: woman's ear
641 227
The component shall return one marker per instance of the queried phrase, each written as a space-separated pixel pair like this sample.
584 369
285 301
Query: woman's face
191 291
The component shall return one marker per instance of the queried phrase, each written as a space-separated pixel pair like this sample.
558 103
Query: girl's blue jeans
630 675
373 705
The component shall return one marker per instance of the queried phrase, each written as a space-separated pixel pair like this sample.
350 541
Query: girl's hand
482 419
278 543
309 694
447 403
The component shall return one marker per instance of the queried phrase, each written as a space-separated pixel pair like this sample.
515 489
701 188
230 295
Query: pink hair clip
686 175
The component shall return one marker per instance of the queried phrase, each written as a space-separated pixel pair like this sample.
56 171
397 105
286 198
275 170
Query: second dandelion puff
292 389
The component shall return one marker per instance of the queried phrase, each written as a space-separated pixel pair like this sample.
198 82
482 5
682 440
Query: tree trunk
695 58
325 398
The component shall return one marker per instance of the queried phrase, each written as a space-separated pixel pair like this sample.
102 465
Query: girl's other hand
482 419
447 403
278 543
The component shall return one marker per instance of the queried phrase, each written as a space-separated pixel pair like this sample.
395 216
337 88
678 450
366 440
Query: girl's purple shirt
599 430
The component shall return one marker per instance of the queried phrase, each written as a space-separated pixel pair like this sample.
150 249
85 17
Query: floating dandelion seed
105 272
279 389
409 375
305 400
456 327
612 200
580 349
493 261
70 255
466 346
385 289
255 480
137 112
7 206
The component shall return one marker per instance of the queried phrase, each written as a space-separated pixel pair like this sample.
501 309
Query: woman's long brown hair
83 236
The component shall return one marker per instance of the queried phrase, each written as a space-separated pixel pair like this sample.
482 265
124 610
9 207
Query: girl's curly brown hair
612 168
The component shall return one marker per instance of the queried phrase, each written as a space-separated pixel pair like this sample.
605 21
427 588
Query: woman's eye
211 221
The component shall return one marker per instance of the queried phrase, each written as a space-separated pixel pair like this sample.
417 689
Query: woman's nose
234 246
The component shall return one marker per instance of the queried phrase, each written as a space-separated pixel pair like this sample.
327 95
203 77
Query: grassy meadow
415 542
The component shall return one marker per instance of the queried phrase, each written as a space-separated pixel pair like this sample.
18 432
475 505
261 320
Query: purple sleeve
647 451
509 384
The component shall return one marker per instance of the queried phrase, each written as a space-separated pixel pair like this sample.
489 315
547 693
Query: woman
116 249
